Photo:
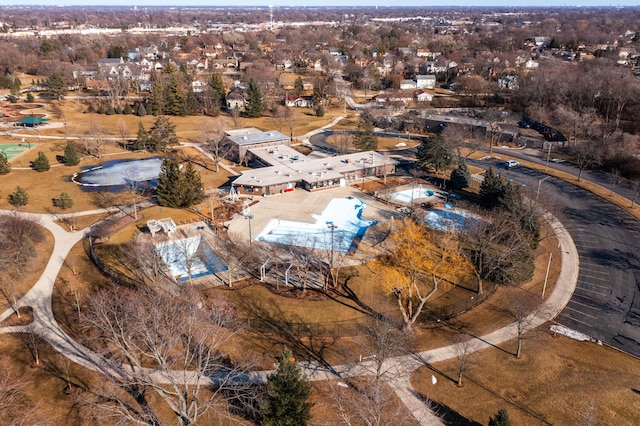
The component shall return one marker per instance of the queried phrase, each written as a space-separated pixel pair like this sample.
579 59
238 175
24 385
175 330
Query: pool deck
299 205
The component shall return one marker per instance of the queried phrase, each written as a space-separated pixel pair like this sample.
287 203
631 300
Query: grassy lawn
31 275
556 380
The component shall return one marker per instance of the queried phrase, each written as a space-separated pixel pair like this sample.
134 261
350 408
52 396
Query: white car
511 163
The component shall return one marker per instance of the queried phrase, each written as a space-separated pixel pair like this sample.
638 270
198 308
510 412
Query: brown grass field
554 382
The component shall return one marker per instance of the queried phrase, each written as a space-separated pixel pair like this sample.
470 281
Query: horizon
527 4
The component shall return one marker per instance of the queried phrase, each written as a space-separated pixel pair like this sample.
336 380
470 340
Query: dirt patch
26 317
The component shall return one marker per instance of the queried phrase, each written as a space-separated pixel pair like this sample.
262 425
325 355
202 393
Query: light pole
332 227
249 216
539 185
548 155
363 166
413 184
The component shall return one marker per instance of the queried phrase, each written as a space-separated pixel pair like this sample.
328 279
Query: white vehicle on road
511 163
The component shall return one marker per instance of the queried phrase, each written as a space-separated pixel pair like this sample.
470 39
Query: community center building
285 169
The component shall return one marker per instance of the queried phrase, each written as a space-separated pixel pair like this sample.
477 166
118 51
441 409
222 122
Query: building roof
32 121
253 136
289 165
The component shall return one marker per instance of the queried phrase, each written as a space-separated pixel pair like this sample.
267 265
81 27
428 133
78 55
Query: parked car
511 164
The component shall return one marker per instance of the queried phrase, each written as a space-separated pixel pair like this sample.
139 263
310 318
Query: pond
119 174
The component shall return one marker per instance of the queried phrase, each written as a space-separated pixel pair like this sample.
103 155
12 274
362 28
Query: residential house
236 99
422 97
407 85
425 81
299 101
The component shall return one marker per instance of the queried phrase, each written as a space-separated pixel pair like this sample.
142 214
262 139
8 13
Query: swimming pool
450 219
191 254
338 227
412 194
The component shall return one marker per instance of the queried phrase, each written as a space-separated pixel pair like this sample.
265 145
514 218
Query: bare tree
16 406
343 141
132 183
291 119
367 401
463 350
634 182
524 308
585 154
95 140
34 345
213 135
123 131
156 350
614 179
232 252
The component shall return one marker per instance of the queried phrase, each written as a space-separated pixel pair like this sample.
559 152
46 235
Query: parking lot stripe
592 291
569 317
579 312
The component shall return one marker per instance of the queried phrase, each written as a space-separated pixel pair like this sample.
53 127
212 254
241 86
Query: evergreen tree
192 189
169 189
19 198
5 166
71 156
298 86
110 110
320 111
217 85
175 96
162 134
254 100
127 109
364 138
156 100
30 98
63 202
215 94
142 140
56 85
461 176
501 419
492 189
286 402
435 152
140 110
41 164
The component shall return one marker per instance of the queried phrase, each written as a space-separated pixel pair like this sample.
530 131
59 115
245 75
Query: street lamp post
250 216
548 155
539 185
332 227
413 184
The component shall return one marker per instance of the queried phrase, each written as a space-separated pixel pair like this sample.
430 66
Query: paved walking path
45 325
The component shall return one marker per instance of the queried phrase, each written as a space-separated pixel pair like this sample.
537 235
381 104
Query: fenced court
13 149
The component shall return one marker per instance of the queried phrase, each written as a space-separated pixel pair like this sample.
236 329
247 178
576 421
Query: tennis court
13 149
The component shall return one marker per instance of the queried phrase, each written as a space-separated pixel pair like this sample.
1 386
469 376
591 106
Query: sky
327 3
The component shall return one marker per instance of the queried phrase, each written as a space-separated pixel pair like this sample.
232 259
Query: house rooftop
252 136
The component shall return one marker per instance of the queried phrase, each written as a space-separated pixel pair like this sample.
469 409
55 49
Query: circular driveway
606 302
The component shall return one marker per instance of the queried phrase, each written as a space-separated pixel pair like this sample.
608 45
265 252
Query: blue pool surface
344 215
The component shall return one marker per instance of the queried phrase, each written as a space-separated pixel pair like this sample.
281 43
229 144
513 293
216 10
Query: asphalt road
606 303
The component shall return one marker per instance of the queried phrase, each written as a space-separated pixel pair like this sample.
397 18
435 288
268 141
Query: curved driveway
606 303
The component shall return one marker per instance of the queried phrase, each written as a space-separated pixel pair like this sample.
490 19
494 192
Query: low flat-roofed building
286 169
249 138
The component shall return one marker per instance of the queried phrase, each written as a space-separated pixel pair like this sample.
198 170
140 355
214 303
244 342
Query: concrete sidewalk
46 326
